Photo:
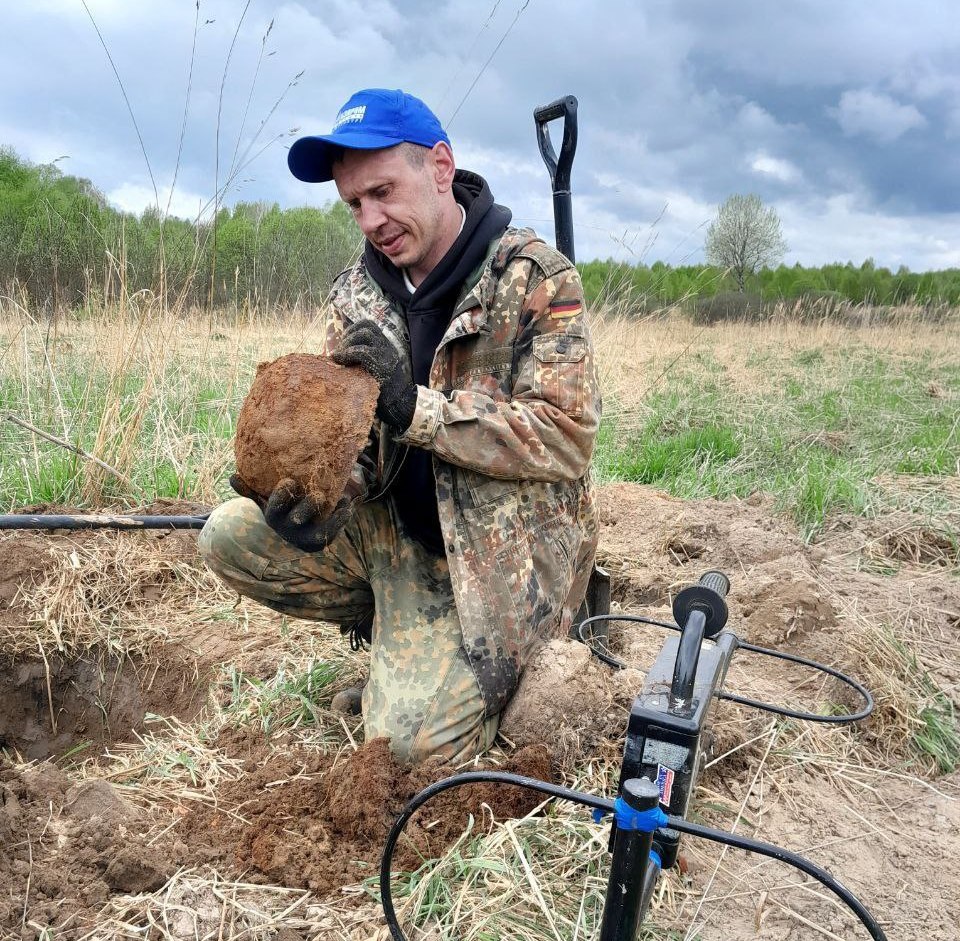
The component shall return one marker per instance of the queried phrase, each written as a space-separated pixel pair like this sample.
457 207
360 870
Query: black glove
295 517
365 345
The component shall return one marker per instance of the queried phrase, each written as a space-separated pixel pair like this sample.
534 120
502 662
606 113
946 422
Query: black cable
607 806
601 653
806 716
98 521
469 777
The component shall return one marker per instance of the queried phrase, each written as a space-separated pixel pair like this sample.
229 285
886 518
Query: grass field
826 418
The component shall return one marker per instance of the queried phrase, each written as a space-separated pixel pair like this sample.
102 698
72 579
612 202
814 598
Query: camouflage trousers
421 692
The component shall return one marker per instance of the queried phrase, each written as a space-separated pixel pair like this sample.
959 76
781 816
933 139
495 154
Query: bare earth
155 830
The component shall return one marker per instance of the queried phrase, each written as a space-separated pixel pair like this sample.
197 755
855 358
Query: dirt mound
307 418
827 601
569 698
896 541
305 820
654 545
65 847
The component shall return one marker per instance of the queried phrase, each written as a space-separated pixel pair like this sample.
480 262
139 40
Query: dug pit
56 705
304 418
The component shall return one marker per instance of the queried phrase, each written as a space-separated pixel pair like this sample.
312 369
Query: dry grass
102 594
203 904
638 355
170 765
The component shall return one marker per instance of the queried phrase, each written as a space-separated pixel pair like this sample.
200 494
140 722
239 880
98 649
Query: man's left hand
364 344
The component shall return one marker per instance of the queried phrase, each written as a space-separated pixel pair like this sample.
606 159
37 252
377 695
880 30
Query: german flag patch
562 310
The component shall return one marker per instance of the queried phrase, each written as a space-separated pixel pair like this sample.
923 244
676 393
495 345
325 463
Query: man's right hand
294 516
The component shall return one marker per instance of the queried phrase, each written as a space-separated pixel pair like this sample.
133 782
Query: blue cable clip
629 819
644 820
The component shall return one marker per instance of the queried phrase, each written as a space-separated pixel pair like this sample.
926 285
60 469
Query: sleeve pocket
559 370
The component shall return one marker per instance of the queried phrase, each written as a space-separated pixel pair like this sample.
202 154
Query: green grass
940 736
687 459
289 699
820 429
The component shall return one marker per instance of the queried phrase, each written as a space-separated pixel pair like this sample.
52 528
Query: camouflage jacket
510 414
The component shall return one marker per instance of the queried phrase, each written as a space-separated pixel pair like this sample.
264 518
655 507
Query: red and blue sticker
665 784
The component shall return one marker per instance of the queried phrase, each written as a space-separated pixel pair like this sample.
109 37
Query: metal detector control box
663 742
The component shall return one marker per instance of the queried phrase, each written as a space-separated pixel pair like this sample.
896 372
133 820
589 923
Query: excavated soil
65 847
307 418
298 817
314 823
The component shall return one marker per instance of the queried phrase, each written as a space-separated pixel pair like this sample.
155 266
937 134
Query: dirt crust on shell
307 418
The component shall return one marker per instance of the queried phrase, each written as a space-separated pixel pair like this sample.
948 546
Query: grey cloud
681 104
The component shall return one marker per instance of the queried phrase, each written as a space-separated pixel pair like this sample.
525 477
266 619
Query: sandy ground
196 824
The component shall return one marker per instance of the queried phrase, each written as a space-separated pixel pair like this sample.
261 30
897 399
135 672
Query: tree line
62 245
659 285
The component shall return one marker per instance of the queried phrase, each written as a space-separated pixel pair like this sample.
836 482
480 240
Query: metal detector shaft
51 521
559 167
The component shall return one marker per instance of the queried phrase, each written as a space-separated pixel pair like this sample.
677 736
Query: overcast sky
843 114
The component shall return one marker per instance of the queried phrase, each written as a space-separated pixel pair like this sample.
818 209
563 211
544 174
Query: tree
744 237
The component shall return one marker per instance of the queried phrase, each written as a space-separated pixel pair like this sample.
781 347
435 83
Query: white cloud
135 197
873 114
680 106
775 167
857 231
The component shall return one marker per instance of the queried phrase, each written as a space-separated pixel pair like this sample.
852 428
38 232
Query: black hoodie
428 311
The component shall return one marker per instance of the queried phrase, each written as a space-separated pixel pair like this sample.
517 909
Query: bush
728 305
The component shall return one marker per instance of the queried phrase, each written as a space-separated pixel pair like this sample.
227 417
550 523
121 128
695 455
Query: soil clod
307 418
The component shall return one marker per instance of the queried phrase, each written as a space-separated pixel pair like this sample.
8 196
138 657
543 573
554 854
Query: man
468 529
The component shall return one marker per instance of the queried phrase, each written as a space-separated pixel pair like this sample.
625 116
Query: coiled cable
606 806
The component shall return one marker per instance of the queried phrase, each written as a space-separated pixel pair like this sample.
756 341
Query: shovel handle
559 168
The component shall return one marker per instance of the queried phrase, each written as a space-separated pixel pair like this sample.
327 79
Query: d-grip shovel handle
559 169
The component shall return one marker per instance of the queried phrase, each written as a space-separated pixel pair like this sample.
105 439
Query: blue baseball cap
372 119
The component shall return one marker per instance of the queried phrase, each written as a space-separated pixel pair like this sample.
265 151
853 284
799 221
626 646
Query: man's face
396 203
